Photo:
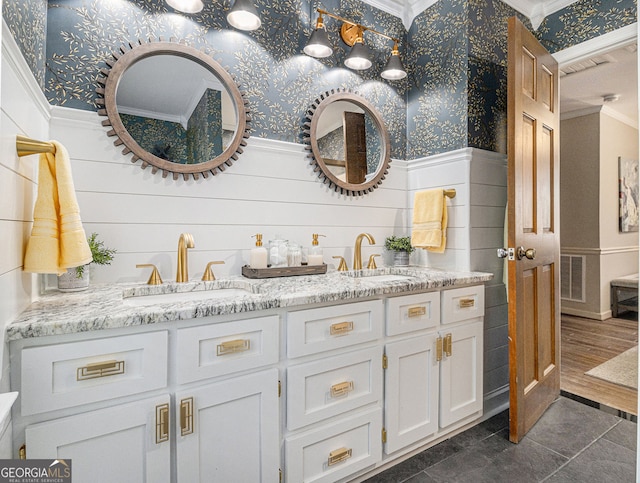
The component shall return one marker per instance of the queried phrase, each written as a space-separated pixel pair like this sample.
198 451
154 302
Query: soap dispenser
315 252
258 256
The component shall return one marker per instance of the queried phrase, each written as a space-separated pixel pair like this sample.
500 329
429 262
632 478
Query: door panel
533 206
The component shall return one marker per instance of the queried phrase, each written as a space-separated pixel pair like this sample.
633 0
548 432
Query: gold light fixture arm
349 32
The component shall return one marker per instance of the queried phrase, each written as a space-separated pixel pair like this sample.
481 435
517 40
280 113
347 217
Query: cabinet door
229 431
127 443
461 373
411 391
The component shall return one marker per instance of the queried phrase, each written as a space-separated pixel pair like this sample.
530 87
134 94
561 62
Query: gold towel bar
26 146
450 193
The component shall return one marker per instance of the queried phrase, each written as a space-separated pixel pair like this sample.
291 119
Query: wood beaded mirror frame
359 159
110 80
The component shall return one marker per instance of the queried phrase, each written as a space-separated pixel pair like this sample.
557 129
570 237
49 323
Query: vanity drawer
66 375
317 330
213 350
336 450
328 387
464 303
413 312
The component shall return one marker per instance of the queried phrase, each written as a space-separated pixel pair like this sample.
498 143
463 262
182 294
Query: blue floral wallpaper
585 20
27 21
455 54
146 131
280 81
204 129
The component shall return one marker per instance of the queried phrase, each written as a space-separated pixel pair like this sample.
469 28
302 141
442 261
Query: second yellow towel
429 220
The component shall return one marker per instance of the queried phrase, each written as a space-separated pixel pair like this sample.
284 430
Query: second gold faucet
185 241
357 252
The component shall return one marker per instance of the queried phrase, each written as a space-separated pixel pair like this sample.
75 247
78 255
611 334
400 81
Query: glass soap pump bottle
258 256
315 252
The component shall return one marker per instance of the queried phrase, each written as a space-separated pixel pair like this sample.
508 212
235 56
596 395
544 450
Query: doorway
598 101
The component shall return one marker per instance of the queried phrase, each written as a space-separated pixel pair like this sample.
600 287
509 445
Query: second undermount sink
178 297
377 275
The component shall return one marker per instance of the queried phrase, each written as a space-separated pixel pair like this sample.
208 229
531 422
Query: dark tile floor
572 442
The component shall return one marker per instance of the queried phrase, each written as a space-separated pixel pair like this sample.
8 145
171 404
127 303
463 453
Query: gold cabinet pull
467 303
96 370
162 423
186 416
342 389
417 311
341 328
447 345
233 346
439 349
339 455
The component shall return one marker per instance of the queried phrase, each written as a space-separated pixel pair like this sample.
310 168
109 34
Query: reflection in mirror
188 117
348 142
174 108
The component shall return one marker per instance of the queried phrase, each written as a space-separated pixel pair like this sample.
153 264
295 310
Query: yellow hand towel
57 240
429 220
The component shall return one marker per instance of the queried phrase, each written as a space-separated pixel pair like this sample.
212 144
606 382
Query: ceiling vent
587 64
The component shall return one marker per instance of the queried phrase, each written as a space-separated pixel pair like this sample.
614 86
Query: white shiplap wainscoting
24 111
271 189
475 230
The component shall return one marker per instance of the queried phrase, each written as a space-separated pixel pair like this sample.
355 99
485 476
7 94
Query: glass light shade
244 16
358 58
318 45
186 6
394 69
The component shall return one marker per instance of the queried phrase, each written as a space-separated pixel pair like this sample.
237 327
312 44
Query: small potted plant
77 278
401 248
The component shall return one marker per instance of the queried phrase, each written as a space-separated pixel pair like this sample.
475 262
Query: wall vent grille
572 277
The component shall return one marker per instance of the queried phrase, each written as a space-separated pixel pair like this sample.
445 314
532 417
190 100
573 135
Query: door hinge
384 435
385 361
22 452
279 388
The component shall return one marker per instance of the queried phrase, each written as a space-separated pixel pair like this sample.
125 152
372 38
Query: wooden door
355 147
533 205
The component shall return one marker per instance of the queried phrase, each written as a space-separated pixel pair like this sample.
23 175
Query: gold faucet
185 241
357 252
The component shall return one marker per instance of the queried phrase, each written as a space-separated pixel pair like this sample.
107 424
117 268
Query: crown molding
599 45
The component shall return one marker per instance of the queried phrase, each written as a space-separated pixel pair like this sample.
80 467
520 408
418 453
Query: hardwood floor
586 343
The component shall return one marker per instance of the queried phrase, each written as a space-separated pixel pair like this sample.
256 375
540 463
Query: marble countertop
119 305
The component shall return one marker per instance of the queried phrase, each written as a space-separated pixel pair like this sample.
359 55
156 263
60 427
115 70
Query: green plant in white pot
77 278
401 248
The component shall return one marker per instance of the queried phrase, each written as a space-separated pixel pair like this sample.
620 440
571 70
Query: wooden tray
283 271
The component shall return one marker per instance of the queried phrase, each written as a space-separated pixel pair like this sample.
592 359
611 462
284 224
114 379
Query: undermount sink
177 297
377 275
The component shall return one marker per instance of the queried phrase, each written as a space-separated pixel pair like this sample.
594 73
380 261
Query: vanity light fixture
359 58
319 45
244 16
394 69
186 6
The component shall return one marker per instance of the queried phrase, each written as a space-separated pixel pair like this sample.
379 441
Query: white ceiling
407 10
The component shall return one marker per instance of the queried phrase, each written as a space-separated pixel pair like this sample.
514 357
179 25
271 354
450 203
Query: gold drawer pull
467 303
338 456
341 328
342 389
233 346
417 311
99 369
439 349
447 345
186 416
162 423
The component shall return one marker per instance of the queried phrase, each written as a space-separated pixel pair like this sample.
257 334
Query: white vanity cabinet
228 429
433 372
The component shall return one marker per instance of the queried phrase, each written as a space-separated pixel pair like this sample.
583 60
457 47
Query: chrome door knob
529 253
